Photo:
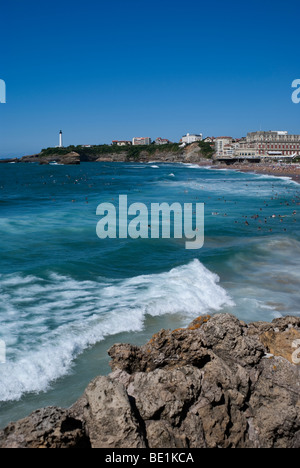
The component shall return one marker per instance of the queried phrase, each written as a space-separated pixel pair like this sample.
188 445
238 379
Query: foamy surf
47 323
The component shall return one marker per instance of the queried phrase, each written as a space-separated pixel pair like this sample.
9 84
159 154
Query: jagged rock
281 337
46 428
71 158
274 405
108 416
224 334
213 384
282 344
244 399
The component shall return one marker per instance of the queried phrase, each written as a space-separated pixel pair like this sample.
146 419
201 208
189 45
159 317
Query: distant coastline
172 153
193 153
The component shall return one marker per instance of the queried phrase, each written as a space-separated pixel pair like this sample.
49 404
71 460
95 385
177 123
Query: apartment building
141 141
274 143
222 145
192 138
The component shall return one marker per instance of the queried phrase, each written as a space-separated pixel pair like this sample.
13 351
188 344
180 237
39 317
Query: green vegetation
59 151
206 149
133 152
93 150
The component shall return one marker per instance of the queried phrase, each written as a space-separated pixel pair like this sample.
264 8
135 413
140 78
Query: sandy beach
280 170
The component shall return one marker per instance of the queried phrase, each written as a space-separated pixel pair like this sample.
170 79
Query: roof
192 134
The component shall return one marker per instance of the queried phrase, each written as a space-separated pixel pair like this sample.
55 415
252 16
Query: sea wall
218 383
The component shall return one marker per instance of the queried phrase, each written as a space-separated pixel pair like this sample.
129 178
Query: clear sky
103 70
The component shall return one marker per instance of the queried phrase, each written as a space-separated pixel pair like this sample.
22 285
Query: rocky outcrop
7 161
218 383
71 158
190 154
46 428
109 416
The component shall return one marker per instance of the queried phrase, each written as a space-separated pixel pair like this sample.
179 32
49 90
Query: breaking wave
47 323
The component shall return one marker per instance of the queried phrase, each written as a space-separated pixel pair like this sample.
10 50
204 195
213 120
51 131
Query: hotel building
273 144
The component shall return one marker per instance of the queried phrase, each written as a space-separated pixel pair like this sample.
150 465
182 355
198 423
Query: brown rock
46 428
210 385
282 343
68 159
223 333
109 416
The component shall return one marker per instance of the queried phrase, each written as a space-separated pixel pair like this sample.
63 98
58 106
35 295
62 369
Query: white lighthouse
60 140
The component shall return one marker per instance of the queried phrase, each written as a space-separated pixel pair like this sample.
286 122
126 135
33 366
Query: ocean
67 296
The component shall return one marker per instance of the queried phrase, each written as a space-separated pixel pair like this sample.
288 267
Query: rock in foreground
213 384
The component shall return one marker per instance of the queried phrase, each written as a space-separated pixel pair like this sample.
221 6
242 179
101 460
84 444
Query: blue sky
103 70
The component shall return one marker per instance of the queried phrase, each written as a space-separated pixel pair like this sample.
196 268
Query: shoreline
291 172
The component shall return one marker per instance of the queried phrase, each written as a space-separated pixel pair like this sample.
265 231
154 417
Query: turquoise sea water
66 296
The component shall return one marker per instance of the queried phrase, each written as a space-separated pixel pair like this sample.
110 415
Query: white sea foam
257 175
191 166
251 185
274 177
47 323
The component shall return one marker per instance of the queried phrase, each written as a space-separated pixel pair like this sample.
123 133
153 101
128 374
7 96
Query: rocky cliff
191 154
71 158
218 383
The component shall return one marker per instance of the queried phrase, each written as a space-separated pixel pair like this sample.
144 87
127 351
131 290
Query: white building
141 141
191 138
122 142
60 139
209 140
246 152
221 143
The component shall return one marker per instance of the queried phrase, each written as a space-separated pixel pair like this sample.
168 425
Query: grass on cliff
206 149
133 152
